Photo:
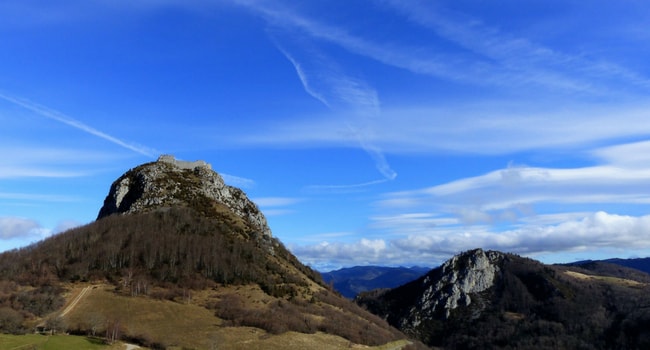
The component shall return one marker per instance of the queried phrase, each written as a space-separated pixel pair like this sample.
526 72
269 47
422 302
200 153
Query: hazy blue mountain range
354 280
641 264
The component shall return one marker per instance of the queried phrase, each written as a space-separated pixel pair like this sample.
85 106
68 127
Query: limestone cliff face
459 283
453 284
168 182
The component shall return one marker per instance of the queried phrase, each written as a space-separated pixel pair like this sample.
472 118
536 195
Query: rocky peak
170 182
454 284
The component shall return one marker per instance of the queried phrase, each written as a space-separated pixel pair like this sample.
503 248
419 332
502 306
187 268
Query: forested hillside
522 304
190 243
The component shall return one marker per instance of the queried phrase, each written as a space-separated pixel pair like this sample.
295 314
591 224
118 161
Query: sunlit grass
50 342
608 279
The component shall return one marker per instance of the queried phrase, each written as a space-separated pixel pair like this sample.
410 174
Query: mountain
487 299
178 259
641 264
354 280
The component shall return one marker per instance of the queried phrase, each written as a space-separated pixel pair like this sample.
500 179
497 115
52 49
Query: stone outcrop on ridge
170 182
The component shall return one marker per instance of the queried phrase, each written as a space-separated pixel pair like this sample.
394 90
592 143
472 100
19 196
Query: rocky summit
170 182
459 278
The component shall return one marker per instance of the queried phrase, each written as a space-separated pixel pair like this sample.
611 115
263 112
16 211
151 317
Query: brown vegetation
176 246
323 312
175 255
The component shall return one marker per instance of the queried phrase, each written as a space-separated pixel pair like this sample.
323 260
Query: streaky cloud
237 181
37 197
324 80
7 172
344 188
304 79
518 57
62 118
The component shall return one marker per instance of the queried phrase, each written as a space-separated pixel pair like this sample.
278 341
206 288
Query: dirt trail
76 300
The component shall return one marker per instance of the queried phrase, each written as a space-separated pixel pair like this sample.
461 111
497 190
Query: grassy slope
170 322
605 279
57 342
190 325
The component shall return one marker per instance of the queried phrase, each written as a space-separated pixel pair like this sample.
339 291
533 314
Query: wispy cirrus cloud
276 206
238 181
17 196
556 108
62 118
499 127
48 161
484 55
398 56
326 81
13 171
518 58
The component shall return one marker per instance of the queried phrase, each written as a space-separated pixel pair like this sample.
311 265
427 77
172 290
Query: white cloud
276 201
343 188
237 181
363 252
28 230
470 127
12 171
37 197
516 191
14 227
629 155
431 246
49 161
517 209
276 206
65 226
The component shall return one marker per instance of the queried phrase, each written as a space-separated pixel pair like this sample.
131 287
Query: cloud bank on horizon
518 127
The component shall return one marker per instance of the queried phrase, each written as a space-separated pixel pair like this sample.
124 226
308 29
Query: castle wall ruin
170 159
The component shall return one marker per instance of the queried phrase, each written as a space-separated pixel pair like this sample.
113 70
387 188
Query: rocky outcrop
454 284
459 283
168 182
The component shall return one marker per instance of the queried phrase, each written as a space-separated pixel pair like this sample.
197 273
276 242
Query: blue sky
368 132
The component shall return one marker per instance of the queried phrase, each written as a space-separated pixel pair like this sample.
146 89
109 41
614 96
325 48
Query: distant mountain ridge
641 264
351 281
